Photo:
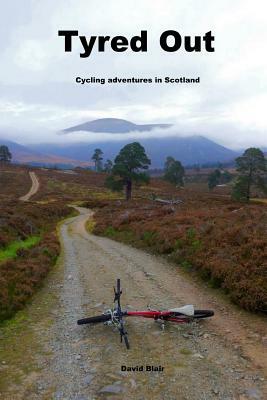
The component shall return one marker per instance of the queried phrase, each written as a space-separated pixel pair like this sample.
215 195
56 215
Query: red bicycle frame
158 315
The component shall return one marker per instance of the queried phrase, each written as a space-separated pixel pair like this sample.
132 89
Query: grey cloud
38 92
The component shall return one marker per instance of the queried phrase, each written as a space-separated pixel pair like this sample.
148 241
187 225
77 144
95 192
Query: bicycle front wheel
94 320
126 342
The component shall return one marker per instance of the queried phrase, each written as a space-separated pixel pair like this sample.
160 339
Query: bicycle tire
94 320
118 285
126 342
203 314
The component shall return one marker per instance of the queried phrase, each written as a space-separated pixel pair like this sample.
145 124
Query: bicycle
115 316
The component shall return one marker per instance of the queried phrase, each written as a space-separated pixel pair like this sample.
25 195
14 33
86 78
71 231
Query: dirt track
34 188
217 359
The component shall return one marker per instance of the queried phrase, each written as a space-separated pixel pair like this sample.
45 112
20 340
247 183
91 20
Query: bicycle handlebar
120 314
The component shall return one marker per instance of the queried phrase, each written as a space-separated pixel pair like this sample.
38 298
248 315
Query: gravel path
34 188
201 361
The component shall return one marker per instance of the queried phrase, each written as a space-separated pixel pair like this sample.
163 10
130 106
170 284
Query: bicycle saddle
186 310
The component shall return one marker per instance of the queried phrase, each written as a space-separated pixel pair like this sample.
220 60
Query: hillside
25 155
113 125
189 150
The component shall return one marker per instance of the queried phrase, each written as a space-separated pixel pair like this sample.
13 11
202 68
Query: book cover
133 193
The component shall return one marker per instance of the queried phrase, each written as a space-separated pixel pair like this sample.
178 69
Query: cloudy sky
39 96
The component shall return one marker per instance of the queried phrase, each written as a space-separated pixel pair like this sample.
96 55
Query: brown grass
19 277
225 241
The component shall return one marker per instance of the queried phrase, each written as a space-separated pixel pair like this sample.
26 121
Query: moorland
206 234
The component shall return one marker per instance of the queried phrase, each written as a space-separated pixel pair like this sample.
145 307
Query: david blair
142 368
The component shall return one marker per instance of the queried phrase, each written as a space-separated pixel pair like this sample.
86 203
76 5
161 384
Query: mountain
189 150
24 155
113 125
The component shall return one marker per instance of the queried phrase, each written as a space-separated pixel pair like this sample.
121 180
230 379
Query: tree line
131 164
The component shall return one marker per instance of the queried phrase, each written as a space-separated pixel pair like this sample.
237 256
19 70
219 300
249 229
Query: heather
225 242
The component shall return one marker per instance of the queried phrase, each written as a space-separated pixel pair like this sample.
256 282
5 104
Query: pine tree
128 166
97 158
174 171
214 179
108 166
252 169
5 155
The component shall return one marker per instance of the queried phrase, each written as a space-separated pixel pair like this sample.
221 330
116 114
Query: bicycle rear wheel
94 320
203 314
